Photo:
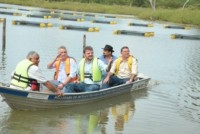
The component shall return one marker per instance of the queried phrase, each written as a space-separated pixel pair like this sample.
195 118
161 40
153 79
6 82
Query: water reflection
122 114
82 119
3 65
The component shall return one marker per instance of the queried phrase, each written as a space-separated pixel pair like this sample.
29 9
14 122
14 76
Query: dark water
170 105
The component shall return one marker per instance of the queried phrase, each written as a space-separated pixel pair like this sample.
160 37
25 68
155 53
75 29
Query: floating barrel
45 11
29 23
90 15
177 27
21 9
3 7
72 19
39 16
68 13
11 13
142 25
110 16
81 28
78 14
181 36
104 22
126 32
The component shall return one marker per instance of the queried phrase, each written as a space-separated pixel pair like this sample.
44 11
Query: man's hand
59 92
106 80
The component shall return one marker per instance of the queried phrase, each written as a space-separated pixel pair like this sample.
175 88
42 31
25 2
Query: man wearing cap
107 56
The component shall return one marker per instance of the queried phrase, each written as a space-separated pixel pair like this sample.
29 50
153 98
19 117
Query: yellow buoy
2 19
165 26
151 33
96 29
111 22
14 22
147 34
114 22
79 20
187 27
116 32
173 36
150 25
82 19
49 17
45 17
42 25
17 14
91 29
61 27
50 25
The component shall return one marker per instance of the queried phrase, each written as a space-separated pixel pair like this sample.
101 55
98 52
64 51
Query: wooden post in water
84 42
4 34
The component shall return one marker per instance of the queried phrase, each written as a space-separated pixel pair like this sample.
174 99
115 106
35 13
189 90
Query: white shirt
124 71
62 74
88 69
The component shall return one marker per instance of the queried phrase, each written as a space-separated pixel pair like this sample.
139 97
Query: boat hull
30 100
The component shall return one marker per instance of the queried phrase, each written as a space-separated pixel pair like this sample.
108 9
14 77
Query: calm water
170 105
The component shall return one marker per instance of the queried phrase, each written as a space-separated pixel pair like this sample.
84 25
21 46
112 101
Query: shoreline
179 16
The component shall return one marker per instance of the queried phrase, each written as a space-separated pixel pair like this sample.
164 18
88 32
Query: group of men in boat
91 74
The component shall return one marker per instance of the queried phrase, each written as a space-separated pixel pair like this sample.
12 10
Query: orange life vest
67 69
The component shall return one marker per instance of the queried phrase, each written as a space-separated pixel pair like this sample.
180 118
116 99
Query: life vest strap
88 75
28 82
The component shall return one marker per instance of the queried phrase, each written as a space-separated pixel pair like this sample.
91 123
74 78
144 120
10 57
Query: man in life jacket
90 73
107 56
28 76
66 68
123 70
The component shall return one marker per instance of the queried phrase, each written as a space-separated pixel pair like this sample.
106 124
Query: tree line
145 3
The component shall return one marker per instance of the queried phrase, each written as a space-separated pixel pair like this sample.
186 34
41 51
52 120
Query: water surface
170 104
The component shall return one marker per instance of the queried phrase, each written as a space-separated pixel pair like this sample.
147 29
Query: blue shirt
102 58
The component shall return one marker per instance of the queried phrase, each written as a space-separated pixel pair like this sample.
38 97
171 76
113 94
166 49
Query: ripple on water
189 94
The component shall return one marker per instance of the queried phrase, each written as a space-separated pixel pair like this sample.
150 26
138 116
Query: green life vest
20 77
96 75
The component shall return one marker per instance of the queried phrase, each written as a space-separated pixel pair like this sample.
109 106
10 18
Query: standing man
123 70
90 73
28 75
66 68
107 56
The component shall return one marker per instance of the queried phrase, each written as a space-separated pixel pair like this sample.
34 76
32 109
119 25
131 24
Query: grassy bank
186 16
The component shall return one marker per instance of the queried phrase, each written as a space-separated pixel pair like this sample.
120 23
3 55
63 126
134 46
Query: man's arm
106 80
50 65
53 88
134 71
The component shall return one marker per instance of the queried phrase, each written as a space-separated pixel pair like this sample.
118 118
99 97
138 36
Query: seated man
65 66
28 76
107 56
123 70
90 73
